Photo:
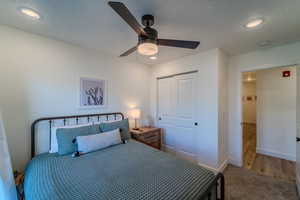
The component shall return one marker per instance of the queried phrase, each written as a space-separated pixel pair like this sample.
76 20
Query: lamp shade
135 113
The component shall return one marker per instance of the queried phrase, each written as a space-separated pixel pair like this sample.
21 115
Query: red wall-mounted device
286 74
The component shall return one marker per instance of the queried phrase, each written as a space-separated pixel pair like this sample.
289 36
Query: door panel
169 136
298 128
164 96
186 140
185 94
177 112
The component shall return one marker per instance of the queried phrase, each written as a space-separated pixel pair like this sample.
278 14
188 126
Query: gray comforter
127 171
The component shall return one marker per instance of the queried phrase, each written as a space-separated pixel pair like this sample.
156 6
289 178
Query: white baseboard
167 149
234 162
208 167
181 154
276 154
194 159
298 181
221 168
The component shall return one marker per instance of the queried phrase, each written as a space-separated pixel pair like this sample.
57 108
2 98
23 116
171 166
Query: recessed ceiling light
30 13
254 23
153 57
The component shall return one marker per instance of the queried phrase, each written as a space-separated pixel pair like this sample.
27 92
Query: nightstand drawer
152 139
155 145
149 136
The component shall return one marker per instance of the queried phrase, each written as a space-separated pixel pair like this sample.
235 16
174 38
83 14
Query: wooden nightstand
150 136
19 179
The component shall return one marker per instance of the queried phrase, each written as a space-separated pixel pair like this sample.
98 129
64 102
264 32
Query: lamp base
135 125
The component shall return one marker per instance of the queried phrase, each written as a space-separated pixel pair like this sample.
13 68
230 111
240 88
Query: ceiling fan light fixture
153 57
30 13
147 48
148 40
254 23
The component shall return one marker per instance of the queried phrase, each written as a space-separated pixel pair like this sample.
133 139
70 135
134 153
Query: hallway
262 164
249 144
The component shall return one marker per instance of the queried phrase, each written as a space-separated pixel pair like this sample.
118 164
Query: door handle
297 139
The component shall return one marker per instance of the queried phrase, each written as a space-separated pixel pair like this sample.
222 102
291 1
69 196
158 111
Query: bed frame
218 182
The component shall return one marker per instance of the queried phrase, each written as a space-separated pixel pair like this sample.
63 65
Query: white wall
40 77
276 113
275 57
208 90
249 107
223 108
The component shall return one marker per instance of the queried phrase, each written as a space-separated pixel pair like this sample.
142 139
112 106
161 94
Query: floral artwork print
92 92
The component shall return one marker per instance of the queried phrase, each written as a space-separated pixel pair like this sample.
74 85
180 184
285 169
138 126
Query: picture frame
92 93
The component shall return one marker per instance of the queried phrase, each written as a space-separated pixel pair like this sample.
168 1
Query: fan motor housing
150 37
148 20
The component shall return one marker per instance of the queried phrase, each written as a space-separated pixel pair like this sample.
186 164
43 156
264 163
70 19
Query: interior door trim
183 73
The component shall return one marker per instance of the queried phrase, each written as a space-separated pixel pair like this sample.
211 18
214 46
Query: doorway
269 121
249 99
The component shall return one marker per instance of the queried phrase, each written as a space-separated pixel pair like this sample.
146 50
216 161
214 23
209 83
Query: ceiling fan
148 40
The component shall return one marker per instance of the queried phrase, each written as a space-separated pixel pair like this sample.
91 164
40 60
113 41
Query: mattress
130 171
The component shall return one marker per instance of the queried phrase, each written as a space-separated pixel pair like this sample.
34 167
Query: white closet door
298 129
177 105
165 110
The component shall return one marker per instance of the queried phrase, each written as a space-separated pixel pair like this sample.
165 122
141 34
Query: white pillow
98 141
53 143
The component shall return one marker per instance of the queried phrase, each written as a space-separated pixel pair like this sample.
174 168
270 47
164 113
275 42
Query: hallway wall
262 59
249 106
276 112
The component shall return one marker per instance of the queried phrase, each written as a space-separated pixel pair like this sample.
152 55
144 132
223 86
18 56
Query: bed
132 171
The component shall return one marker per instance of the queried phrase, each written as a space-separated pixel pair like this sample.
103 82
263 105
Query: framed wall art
93 93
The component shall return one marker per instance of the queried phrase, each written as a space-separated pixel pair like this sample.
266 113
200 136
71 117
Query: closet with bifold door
177 99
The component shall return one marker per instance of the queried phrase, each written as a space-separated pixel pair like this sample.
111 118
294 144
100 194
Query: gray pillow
66 137
123 125
89 143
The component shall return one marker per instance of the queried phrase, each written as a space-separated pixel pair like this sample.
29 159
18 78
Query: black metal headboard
65 118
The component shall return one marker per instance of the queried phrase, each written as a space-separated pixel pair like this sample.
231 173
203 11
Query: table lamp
135 114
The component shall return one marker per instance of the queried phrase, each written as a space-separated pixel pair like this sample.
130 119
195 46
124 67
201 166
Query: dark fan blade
123 11
178 43
129 51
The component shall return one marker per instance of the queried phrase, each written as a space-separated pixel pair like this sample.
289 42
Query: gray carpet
243 184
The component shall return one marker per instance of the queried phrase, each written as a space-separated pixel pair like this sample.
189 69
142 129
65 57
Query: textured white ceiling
216 23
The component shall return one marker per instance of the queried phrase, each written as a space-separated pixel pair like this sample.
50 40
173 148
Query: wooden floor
262 164
275 167
249 145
